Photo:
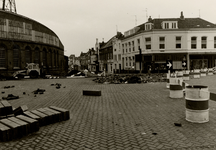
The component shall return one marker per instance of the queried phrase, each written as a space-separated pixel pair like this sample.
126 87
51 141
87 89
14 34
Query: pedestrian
149 71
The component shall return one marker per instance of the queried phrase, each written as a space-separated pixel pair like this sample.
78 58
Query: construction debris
10 97
7 87
133 78
39 91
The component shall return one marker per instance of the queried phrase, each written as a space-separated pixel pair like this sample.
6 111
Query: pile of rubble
132 78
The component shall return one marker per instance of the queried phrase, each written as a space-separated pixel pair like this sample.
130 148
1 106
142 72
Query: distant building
106 56
24 40
93 65
84 60
117 53
71 61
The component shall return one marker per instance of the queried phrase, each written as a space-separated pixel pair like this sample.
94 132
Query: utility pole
9 5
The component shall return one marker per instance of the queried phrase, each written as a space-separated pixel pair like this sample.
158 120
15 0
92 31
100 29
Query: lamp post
140 58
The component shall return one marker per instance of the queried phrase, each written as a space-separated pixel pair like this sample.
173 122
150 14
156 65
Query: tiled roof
185 23
108 44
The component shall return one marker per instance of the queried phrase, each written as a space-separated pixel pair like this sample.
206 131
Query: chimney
149 19
182 16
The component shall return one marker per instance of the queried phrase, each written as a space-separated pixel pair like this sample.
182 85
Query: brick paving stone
124 117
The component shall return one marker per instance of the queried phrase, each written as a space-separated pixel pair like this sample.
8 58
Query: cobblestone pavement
126 116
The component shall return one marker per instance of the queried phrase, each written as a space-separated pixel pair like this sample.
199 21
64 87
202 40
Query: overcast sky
79 22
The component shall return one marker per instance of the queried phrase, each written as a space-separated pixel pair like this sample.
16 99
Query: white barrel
186 75
197 107
191 74
167 84
173 80
210 71
179 74
176 90
196 73
203 72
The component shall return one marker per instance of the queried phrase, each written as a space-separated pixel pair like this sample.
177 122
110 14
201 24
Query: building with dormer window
193 39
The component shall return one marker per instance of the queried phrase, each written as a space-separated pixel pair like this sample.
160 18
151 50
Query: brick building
24 40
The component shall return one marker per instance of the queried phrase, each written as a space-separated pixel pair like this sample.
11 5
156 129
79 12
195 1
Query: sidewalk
126 116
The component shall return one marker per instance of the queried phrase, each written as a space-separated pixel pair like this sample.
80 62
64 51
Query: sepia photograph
107 75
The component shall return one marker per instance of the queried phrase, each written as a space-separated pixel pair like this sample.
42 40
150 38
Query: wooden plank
44 118
25 127
50 115
8 107
59 116
2 110
5 133
33 116
92 92
212 96
66 114
34 124
15 128
20 110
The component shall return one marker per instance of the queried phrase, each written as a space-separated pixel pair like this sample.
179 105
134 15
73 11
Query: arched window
16 57
28 55
37 56
50 58
44 58
2 57
55 58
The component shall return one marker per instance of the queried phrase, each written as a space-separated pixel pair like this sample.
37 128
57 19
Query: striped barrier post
179 74
186 75
197 107
176 90
196 73
191 74
203 72
210 71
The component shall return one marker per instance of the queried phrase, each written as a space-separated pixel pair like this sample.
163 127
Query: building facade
23 40
117 53
176 39
93 65
106 56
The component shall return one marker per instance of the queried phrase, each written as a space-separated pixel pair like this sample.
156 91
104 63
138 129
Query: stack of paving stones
19 122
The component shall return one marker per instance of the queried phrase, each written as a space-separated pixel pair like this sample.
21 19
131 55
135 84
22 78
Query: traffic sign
184 63
169 64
